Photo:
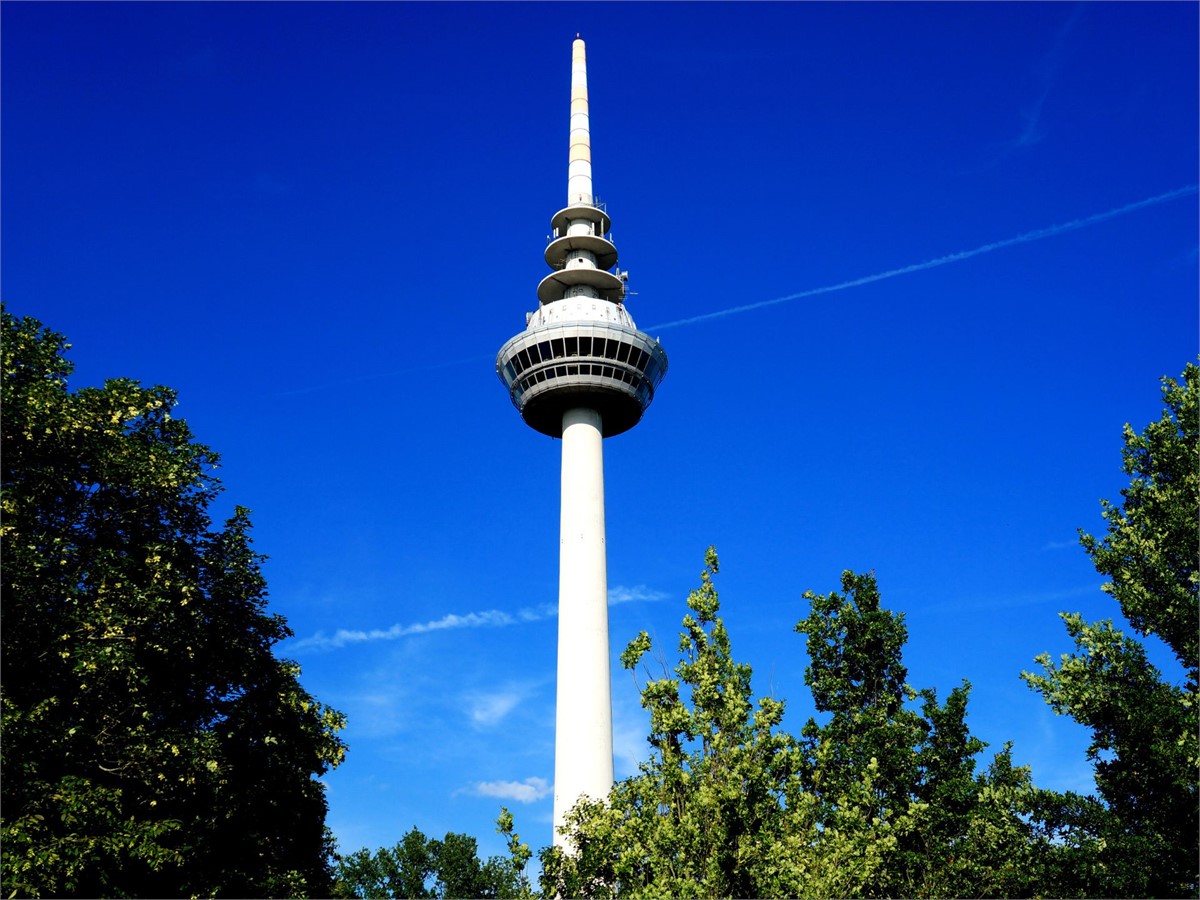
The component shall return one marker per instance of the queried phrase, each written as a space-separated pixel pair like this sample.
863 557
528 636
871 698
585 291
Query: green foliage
1141 840
900 809
880 800
857 676
702 817
419 867
153 744
1150 551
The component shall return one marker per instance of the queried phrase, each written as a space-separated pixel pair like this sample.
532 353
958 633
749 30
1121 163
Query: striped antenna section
579 171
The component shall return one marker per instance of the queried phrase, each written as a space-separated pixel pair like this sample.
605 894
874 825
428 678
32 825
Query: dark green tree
153 745
900 807
418 867
857 677
402 871
1139 837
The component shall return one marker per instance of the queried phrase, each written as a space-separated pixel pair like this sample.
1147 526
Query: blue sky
320 222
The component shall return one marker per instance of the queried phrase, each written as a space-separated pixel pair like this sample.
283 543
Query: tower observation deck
581 371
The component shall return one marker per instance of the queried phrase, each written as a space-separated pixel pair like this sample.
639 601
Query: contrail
1025 238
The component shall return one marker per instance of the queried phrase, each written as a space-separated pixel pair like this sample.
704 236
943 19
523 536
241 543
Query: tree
900 808
703 816
1140 837
153 744
418 867
1150 551
856 675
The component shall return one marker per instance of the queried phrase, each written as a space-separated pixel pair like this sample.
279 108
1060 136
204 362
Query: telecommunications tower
581 371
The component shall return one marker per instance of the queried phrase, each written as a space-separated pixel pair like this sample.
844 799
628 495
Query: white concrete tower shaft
583 754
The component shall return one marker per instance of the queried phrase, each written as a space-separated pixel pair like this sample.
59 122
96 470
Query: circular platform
594 214
608 368
554 286
604 251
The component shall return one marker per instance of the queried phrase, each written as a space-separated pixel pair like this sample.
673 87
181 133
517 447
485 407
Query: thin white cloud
382 712
622 594
1060 545
1049 68
528 791
1009 601
486 710
490 618
631 725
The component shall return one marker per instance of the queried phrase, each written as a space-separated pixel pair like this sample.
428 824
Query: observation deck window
623 353
544 349
557 344
572 346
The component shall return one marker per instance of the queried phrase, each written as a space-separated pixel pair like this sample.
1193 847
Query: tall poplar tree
900 807
703 816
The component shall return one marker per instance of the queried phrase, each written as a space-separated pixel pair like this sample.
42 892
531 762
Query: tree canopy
1142 832
153 743
880 799
420 867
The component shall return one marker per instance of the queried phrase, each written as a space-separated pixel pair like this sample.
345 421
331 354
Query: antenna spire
579 169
